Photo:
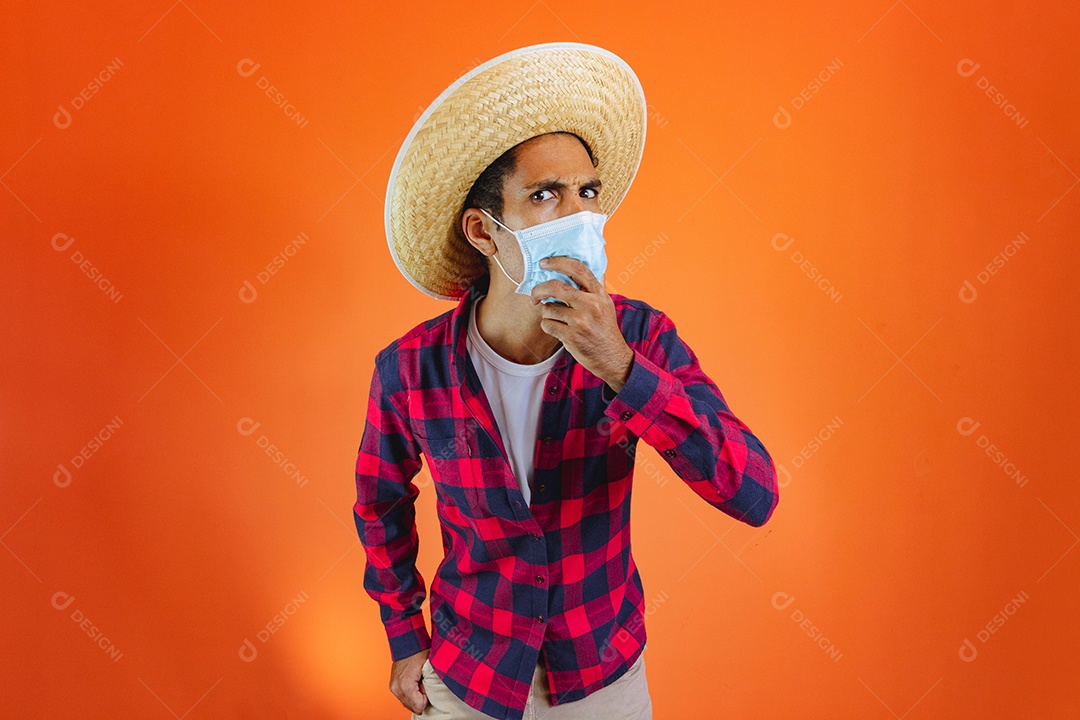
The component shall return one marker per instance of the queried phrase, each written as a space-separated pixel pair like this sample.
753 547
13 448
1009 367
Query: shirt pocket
448 458
457 471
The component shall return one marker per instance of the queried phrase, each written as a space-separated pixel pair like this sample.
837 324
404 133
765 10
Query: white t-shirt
515 392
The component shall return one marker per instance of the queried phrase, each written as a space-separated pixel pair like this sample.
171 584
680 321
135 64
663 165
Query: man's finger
556 312
417 701
556 289
578 271
419 695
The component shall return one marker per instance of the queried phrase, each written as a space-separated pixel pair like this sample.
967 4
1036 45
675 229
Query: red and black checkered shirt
556 575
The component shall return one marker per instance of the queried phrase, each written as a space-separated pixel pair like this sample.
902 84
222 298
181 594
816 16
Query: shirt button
537 536
547 438
625 415
541 488
539 578
539 618
669 452
551 390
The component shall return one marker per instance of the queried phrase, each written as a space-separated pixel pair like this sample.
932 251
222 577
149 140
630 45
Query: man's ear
474 226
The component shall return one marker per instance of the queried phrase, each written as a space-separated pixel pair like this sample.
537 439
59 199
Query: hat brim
564 86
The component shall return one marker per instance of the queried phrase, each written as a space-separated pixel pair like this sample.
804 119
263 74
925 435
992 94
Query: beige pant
625 699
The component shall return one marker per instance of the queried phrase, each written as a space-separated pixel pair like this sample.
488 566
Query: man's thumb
418 699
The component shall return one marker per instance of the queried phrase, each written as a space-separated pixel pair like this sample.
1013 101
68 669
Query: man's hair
487 191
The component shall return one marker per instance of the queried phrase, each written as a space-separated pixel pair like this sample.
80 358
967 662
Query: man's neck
511 326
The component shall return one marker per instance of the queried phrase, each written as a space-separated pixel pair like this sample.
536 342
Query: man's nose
575 204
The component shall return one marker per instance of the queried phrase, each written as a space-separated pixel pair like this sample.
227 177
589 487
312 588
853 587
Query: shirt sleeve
671 404
385 516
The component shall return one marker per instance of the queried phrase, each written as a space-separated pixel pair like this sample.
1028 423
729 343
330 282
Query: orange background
897 538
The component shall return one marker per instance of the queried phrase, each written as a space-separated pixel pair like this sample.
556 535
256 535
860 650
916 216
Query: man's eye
594 192
538 192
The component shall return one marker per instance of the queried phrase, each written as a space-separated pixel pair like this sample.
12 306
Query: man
528 400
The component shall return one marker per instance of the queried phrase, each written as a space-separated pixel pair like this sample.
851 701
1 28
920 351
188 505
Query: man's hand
406 682
587 325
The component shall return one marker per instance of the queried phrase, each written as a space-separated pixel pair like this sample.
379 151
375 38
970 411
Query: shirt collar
459 329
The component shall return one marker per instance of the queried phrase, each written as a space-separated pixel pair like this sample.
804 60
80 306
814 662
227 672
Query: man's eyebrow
557 184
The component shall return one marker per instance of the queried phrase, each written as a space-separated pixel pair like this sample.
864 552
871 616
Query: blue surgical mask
579 236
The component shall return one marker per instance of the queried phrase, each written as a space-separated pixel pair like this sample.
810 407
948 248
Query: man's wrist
617 381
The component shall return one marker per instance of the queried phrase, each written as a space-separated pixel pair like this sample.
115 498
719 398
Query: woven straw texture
590 94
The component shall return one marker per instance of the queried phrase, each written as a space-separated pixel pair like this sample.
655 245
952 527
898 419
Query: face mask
578 236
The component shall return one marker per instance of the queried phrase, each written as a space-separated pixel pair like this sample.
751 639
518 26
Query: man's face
553 177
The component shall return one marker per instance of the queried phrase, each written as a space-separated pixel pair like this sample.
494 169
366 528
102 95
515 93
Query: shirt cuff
643 397
607 392
408 636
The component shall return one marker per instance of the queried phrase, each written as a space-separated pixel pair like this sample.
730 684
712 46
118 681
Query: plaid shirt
555 576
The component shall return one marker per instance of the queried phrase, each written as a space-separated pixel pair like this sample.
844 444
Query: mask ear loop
516 283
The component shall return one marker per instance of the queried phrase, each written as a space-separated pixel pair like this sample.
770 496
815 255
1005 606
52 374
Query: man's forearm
671 404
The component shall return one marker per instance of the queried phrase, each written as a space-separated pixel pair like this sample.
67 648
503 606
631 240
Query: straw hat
564 86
